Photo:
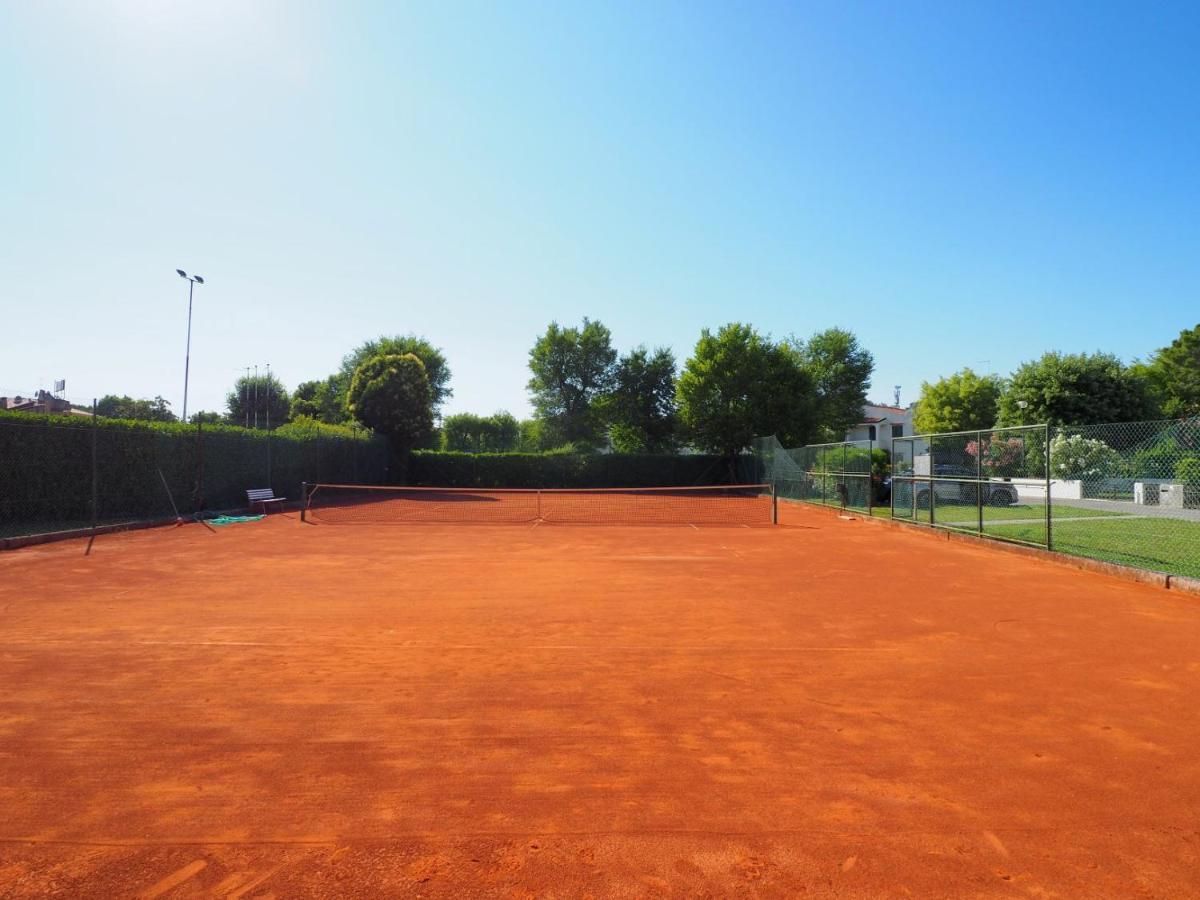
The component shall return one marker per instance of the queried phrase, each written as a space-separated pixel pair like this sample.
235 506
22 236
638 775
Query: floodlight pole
192 281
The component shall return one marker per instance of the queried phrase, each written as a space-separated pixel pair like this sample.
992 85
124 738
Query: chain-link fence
73 473
1127 493
982 481
838 474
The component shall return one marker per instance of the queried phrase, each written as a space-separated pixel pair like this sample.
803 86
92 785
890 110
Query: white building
881 423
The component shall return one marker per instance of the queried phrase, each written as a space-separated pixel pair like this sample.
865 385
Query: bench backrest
255 494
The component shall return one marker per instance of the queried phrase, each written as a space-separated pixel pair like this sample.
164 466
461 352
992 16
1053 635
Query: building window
897 431
871 432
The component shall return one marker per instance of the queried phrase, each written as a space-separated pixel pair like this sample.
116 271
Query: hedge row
550 470
46 468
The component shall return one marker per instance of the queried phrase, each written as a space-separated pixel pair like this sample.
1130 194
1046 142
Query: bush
1187 470
1077 457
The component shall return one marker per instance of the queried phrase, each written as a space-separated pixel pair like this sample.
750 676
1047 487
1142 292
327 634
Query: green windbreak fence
830 474
58 474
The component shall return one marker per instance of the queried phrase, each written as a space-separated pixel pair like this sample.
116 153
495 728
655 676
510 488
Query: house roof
899 409
872 420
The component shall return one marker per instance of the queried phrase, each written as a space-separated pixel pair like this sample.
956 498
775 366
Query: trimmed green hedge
46 468
550 470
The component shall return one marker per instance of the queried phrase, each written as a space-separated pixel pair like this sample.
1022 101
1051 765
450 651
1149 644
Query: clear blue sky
955 182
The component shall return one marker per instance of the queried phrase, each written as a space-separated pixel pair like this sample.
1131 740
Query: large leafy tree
390 394
436 370
469 433
1173 374
840 370
960 402
320 400
258 402
572 370
1075 389
111 406
640 407
739 384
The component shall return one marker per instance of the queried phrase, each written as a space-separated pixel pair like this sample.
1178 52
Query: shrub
1074 456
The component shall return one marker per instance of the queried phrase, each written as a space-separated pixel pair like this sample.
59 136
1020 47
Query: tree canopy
1173 375
390 394
960 402
840 370
320 400
572 370
640 407
469 433
1075 389
739 384
437 372
113 407
258 402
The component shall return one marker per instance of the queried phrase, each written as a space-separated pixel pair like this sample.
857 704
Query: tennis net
749 504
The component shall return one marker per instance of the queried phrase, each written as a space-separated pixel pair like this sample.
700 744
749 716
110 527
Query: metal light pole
268 408
246 396
192 281
256 398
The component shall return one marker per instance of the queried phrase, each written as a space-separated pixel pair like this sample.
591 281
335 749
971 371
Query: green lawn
967 516
1160 544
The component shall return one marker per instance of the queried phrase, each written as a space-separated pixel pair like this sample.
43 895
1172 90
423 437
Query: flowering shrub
1079 457
1000 457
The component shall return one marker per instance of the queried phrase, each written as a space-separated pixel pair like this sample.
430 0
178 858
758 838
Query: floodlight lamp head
182 274
197 279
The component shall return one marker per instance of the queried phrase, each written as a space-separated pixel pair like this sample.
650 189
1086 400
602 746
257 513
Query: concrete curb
1163 580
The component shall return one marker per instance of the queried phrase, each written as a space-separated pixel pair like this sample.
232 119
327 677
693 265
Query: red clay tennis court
821 708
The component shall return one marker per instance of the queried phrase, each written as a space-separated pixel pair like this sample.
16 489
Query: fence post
774 505
979 475
303 500
199 466
892 488
1049 521
268 459
870 475
95 472
845 494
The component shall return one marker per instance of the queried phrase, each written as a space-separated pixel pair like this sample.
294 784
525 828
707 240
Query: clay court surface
823 708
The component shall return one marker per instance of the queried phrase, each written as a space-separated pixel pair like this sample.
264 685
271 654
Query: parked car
995 493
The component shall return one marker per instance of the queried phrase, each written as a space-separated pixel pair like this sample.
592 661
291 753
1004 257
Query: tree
1173 375
436 370
841 373
390 394
1075 389
320 400
110 406
258 401
206 418
572 370
739 384
963 401
640 406
532 436
469 433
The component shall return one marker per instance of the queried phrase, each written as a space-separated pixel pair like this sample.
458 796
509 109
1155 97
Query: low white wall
1034 489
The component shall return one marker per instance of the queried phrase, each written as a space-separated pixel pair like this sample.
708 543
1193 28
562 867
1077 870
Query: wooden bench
261 497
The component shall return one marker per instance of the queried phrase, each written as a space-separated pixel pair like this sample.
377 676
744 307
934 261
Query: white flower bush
1079 457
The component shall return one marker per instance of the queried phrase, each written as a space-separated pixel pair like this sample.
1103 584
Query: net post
303 500
774 505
